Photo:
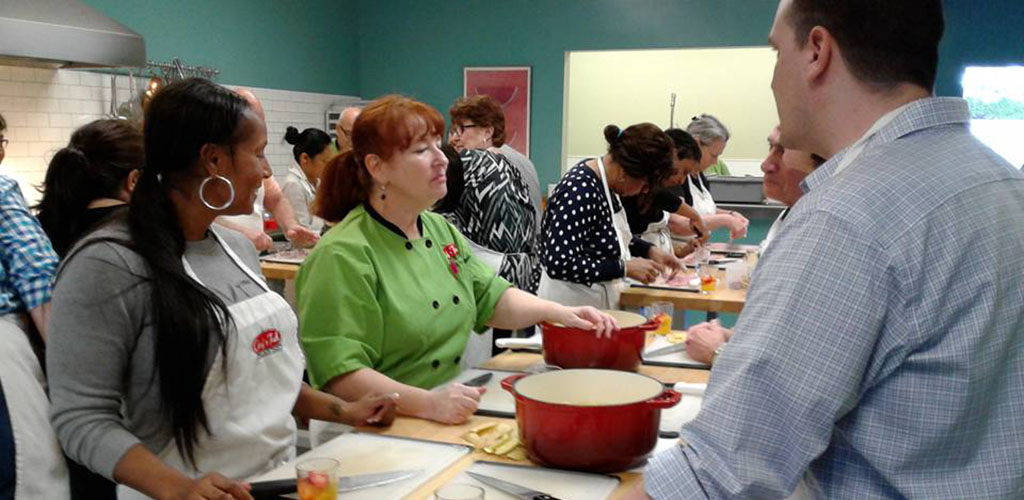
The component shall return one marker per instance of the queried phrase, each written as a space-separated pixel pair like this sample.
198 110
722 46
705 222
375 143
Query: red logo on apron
267 343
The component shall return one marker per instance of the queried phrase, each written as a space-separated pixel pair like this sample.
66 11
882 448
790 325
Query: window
996 97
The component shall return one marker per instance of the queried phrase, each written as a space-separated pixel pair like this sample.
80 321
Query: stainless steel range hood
65 33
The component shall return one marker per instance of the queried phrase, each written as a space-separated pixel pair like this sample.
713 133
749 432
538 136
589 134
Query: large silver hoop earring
231 190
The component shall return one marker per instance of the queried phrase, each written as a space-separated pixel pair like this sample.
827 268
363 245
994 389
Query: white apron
248 405
772 231
658 234
604 295
703 203
40 471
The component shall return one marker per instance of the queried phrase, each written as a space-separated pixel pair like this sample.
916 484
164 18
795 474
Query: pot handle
667 399
509 383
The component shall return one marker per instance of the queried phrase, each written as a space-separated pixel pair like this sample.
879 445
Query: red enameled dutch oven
567 347
587 419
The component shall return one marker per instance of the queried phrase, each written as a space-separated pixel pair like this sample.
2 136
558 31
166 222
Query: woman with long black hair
89 179
173 369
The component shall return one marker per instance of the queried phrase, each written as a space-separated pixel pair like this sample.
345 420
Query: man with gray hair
879 353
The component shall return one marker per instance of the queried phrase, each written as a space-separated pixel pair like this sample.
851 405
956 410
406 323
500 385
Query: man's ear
821 51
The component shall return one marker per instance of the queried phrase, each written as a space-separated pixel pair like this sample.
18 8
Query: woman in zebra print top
489 203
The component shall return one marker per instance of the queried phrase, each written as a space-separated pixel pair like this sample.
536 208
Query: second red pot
568 347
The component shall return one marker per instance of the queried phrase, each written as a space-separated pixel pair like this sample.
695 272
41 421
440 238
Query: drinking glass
662 312
318 479
459 492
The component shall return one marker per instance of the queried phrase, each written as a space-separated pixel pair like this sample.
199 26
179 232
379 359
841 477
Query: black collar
387 224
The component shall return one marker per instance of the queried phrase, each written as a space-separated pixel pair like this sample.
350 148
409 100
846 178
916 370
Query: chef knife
669 349
479 381
271 490
521 492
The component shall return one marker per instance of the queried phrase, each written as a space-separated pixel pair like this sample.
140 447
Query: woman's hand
683 249
738 226
302 236
699 229
643 270
669 262
372 409
585 318
213 486
260 240
703 339
454 404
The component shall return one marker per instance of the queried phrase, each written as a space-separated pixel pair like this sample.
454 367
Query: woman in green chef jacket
388 297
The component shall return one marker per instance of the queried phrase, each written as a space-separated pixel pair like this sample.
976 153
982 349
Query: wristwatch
714 356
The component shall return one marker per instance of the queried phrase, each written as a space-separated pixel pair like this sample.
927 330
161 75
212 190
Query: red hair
385 127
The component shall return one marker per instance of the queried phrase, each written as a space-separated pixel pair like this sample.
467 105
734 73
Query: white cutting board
678 358
496 401
361 453
561 484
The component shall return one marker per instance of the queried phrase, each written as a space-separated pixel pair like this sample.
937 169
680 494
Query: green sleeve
719 168
487 286
340 320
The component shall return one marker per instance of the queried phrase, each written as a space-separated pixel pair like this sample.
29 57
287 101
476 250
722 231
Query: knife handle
544 497
272 490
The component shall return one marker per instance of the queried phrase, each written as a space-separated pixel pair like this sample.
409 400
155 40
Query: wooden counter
279 271
432 431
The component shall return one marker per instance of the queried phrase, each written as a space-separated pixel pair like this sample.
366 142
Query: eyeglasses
460 128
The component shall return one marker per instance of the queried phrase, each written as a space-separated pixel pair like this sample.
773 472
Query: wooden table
719 301
432 431
279 271
722 300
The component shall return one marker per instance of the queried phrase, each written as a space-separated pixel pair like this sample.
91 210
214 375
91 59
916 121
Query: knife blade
271 490
522 492
479 381
669 349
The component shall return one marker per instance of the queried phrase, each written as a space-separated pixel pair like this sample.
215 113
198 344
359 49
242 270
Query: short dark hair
884 42
643 150
686 146
482 110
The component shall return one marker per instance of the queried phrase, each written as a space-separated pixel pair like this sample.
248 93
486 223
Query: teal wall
419 48
306 45
979 33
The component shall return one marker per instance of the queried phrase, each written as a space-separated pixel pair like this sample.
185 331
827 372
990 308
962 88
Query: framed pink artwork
510 85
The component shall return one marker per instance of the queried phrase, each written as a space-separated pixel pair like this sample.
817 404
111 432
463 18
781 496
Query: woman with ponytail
311 151
586 244
87 180
389 296
173 369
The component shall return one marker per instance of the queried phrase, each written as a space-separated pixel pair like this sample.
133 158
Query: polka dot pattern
578 241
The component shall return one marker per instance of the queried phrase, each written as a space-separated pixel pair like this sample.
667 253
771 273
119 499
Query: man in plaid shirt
880 353
31 464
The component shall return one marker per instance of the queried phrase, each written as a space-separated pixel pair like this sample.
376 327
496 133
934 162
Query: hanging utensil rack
176 70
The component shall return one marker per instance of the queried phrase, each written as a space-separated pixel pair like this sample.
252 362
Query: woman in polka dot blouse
586 245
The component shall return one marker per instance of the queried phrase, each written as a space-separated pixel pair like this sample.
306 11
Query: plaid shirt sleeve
29 262
793 367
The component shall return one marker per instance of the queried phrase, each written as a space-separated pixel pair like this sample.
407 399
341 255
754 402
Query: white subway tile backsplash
44 106
22 74
37 120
